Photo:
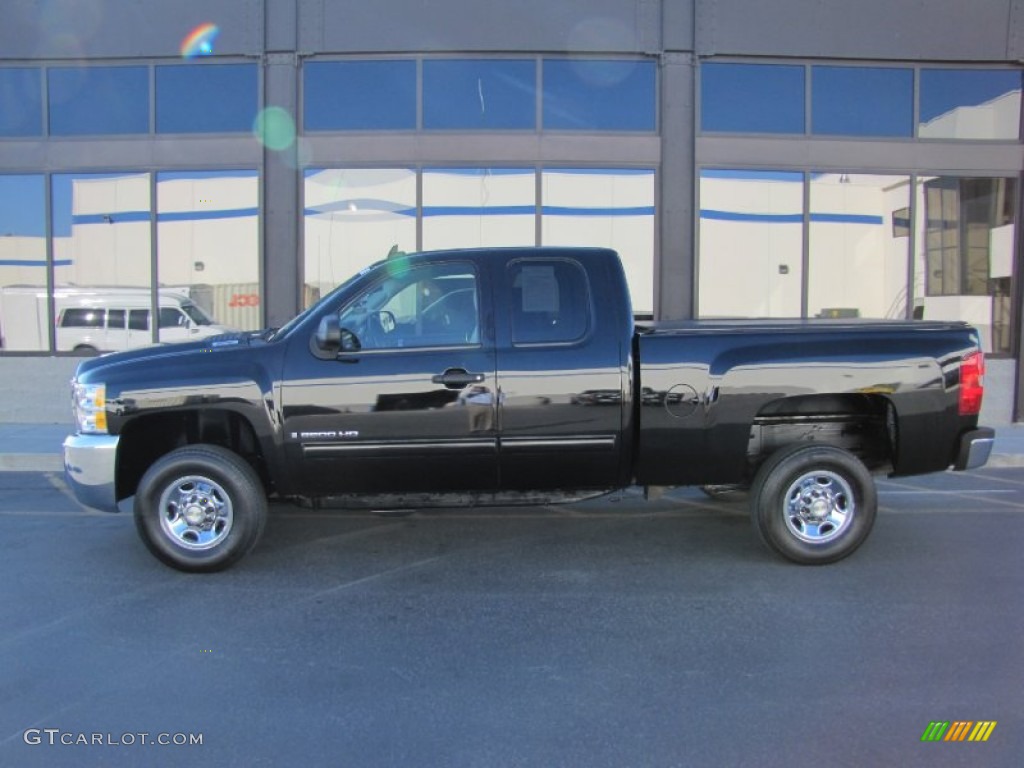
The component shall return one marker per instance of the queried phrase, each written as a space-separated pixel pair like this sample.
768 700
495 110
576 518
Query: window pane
138 320
475 207
359 95
858 256
550 302
862 101
98 100
101 251
23 309
970 104
964 265
353 218
208 251
435 305
611 208
752 98
479 94
206 98
21 105
751 243
599 95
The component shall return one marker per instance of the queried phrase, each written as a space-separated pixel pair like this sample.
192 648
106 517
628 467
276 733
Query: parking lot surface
617 632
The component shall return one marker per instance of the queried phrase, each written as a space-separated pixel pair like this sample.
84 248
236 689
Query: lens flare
274 128
199 42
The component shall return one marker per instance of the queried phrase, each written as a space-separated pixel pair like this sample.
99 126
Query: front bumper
90 462
975 448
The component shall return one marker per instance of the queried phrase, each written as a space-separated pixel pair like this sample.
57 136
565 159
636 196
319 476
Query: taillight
972 383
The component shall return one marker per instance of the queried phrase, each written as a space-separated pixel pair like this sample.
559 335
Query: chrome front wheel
200 508
196 513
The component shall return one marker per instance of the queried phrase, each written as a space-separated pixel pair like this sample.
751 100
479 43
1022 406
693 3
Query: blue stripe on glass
120 217
846 218
478 210
33 263
791 218
233 213
639 210
114 217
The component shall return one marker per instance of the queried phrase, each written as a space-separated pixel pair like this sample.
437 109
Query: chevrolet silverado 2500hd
514 376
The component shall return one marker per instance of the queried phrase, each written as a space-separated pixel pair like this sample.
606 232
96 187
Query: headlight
89 402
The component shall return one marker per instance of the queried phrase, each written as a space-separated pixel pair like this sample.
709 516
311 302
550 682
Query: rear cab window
549 301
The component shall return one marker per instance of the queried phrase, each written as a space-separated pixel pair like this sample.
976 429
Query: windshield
285 329
195 314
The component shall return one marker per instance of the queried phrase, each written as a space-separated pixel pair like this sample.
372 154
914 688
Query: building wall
281 37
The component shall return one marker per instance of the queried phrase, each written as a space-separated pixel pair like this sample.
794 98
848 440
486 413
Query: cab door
562 387
408 404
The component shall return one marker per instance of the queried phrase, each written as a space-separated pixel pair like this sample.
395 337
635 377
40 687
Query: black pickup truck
500 376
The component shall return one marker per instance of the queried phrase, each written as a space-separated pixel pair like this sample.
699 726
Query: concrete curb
31 462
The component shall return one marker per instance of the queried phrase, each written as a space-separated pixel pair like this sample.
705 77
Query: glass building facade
738 175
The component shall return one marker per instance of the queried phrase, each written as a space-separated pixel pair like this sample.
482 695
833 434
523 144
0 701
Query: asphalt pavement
623 632
615 632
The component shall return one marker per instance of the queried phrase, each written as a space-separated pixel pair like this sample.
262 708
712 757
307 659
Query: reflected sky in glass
752 98
479 94
599 95
22 206
943 90
21 107
862 101
88 101
206 98
359 95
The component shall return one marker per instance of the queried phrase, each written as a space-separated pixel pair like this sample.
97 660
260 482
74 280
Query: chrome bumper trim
975 448
90 462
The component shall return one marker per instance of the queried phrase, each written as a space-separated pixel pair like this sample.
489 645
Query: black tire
813 504
84 350
200 508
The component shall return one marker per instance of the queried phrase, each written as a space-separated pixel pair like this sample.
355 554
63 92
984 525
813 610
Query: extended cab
513 376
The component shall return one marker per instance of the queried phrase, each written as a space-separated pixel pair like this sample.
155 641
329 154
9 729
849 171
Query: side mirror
328 334
331 339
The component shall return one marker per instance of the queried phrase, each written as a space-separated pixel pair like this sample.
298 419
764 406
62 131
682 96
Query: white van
113 320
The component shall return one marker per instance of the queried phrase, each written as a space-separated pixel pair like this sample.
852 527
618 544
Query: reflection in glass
475 207
970 104
206 98
610 208
353 218
21 107
862 101
101 253
427 306
359 95
23 309
98 100
479 94
751 243
752 98
599 95
208 253
964 264
858 258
